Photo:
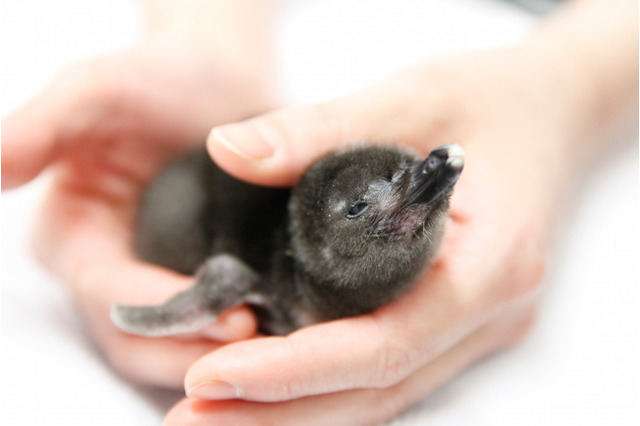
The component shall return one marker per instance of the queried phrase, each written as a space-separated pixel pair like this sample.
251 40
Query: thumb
275 148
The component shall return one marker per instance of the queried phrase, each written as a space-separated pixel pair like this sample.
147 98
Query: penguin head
372 215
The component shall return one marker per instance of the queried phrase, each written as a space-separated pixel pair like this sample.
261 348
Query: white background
578 367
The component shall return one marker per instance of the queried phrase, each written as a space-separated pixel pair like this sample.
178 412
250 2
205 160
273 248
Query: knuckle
123 363
95 88
393 362
86 278
274 127
84 79
528 278
73 75
519 331
331 126
317 123
385 404
524 275
525 282
295 386
132 362
123 366
389 406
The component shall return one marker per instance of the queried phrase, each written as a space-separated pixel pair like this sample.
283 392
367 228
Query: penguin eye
357 209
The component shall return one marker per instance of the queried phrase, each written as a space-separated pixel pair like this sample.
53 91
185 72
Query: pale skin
530 117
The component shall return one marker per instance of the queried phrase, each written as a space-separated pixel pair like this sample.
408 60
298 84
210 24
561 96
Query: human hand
481 293
107 126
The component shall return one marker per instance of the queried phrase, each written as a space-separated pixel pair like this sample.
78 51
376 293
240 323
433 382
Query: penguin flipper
221 283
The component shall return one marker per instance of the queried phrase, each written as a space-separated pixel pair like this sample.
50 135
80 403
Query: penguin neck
331 301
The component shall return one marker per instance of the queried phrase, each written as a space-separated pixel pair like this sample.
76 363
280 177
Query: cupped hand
106 127
479 296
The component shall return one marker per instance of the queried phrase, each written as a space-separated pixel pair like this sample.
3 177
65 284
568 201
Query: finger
274 149
160 362
86 240
28 141
375 350
89 104
97 266
360 406
39 132
87 244
110 278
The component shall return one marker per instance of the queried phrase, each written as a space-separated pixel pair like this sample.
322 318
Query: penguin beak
436 175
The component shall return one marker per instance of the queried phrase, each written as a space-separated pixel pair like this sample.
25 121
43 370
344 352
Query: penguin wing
222 282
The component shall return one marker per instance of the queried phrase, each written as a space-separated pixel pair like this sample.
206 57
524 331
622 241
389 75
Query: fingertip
27 146
194 411
236 324
245 154
13 177
9 180
186 412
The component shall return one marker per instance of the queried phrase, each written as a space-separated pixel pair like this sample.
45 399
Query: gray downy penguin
351 236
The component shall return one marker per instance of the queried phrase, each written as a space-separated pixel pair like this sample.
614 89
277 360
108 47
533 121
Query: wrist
588 55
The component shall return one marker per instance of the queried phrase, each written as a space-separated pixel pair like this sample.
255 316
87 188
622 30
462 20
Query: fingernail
215 390
245 140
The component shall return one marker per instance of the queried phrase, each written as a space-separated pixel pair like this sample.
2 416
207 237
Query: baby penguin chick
351 236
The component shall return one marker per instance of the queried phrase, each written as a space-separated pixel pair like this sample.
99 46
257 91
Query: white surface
579 366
